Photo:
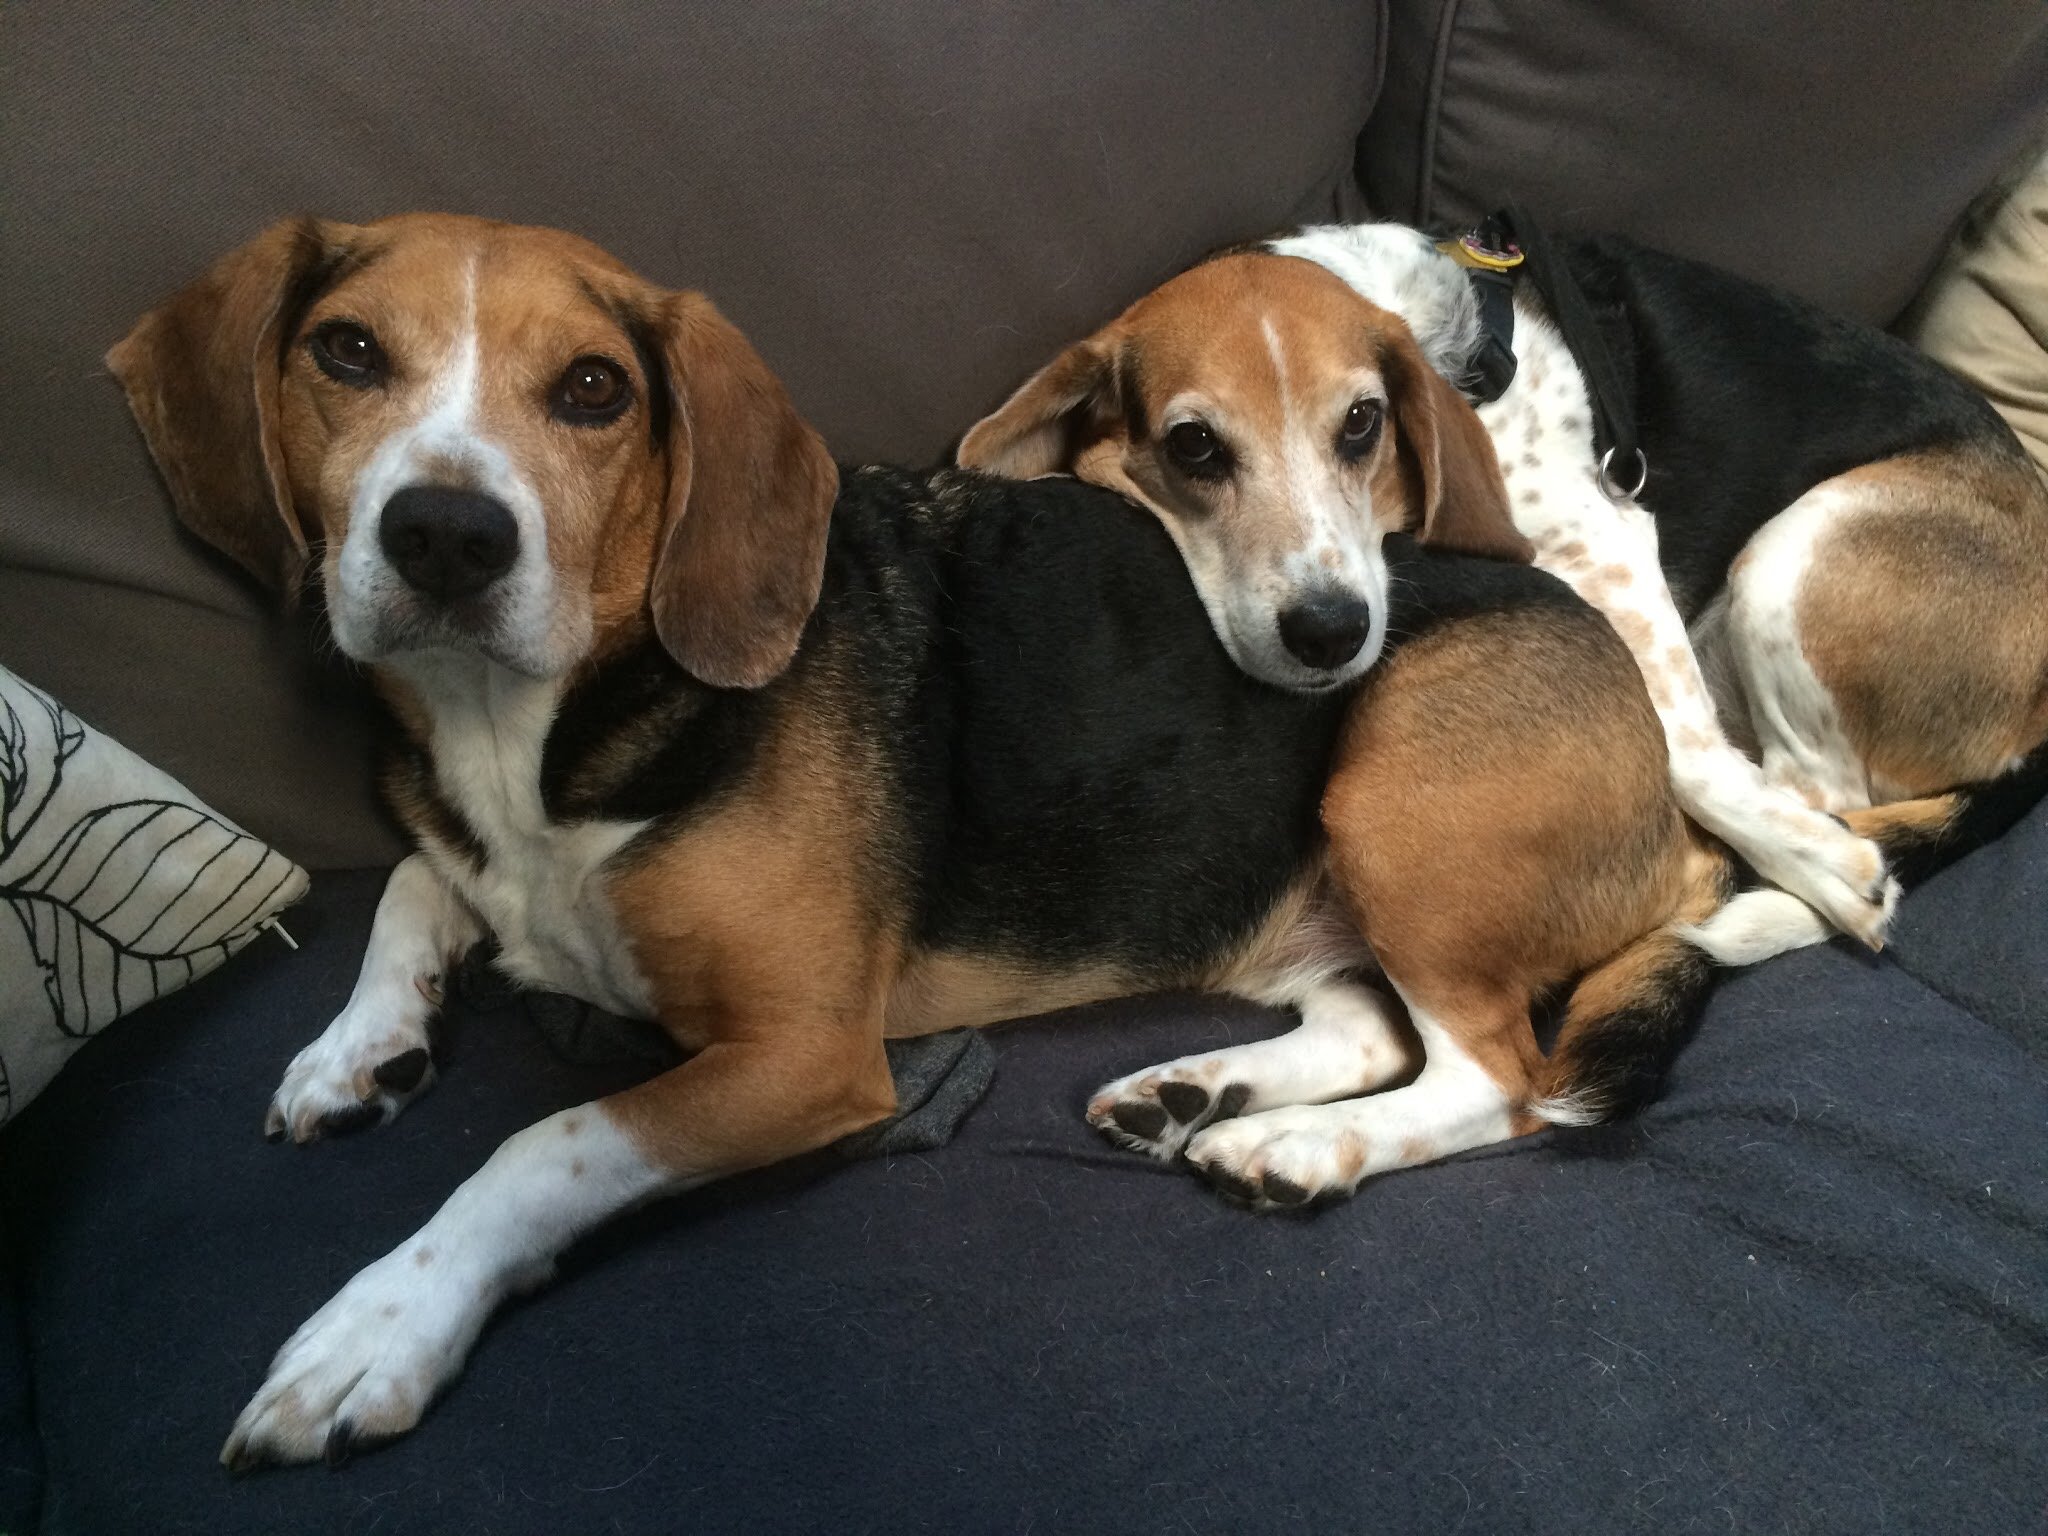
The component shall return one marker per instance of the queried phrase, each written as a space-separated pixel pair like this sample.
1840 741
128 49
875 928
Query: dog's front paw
355 1075
1283 1158
1157 1110
362 1369
1819 859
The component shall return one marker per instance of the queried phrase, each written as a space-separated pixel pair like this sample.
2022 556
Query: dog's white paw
1821 861
358 1073
1283 1158
1157 1110
364 1368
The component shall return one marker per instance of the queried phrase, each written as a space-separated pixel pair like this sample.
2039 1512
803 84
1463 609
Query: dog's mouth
399 624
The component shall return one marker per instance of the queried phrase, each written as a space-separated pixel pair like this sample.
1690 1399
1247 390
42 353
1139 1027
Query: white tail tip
1755 926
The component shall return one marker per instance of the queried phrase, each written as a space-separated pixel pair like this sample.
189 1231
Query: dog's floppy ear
1041 429
741 554
1450 459
201 373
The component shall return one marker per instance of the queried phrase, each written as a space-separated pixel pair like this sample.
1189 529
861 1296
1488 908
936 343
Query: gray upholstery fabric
906 206
1827 147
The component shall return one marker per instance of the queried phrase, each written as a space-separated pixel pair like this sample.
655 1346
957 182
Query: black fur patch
1067 768
1746 398
417 801
640 739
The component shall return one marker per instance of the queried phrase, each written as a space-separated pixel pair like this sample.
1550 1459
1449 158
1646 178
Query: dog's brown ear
742 551
201 373
1042 428
1451 460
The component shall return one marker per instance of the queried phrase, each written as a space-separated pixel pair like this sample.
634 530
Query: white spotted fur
1607 551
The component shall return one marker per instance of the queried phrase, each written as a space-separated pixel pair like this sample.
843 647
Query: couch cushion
1828 148
21 1448
906 206
1804 1292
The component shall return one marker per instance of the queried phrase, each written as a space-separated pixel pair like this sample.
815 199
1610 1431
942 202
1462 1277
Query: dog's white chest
539 887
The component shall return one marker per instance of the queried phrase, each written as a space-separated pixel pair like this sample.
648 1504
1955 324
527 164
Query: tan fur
202 373
1100 410
1486 864
758 935
257 444
1931 629
955 991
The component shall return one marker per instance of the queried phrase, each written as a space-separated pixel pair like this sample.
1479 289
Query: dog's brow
646 340
1130 393
319 277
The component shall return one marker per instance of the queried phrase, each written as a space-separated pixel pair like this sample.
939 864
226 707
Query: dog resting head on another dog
1281 426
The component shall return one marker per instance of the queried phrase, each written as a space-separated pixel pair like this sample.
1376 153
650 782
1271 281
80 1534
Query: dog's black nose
1326 629
448 544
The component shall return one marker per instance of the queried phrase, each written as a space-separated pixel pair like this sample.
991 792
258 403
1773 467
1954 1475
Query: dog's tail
1627 1017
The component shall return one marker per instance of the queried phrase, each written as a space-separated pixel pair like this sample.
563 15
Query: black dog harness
1501 250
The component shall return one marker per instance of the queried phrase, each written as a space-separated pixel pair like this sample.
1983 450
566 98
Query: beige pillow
116 886
1985 313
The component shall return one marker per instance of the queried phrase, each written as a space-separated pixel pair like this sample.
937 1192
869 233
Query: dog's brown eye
1361 428
348 354
591 391
1197 450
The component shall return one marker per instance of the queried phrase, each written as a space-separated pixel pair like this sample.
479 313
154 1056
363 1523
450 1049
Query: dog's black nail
1284 1191
1183 1101
273 1133
402 1073
1231 1101
1140 1119
1232 1183
356 1117
341 1443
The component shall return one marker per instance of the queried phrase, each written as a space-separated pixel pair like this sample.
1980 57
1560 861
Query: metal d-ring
1614 492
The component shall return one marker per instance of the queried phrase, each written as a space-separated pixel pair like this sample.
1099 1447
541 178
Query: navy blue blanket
1806 1291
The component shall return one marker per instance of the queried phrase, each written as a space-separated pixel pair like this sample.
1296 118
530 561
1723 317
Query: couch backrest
1828 146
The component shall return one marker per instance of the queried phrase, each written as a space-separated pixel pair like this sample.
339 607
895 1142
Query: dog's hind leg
1891 628
1350 1041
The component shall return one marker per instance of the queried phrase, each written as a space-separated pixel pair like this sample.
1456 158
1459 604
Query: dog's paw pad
347 1081
1140 1118
402 1073
1184 1101
1155 1112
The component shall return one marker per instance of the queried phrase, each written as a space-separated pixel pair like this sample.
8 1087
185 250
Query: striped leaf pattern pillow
117 886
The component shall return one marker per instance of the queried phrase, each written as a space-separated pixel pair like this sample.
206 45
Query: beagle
791 761
1855 538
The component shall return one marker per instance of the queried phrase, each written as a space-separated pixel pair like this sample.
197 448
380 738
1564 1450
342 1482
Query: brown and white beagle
1855 539
702 730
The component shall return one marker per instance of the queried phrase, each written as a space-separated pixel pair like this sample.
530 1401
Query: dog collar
1491 260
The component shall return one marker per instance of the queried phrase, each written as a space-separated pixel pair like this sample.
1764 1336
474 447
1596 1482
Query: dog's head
494 438
1280 426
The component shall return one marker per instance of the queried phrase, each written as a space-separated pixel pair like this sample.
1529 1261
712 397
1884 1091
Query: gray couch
1803 1292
